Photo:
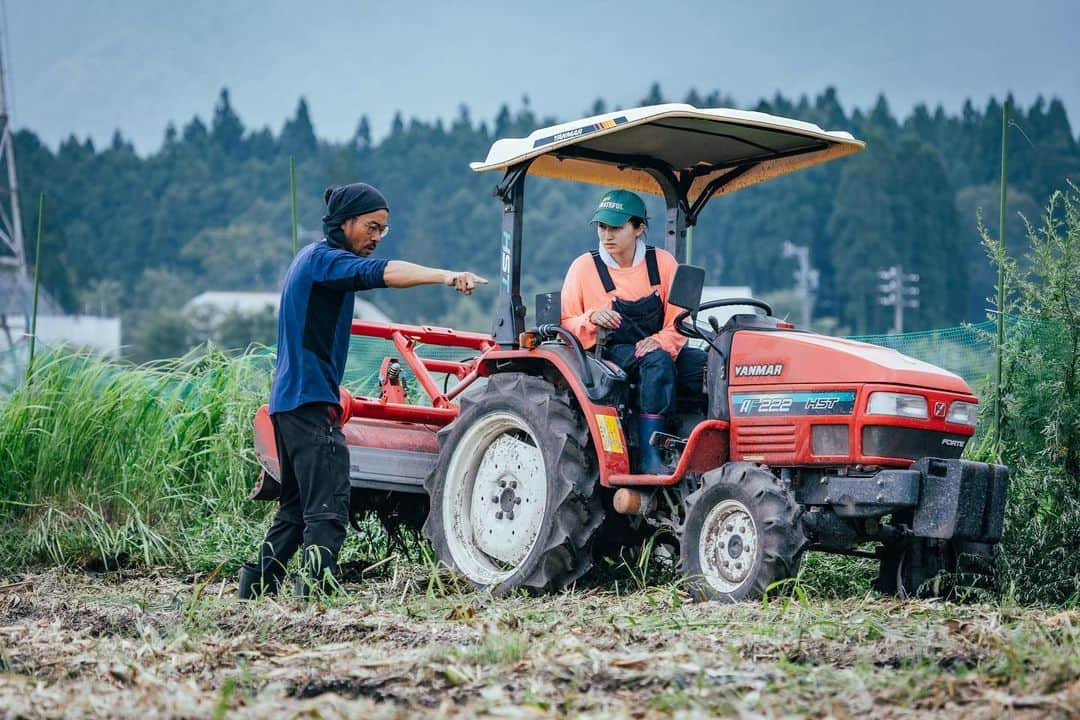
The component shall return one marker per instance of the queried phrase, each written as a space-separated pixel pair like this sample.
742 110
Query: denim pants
315 490
657 375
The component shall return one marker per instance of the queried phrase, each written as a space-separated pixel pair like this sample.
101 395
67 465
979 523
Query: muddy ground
412 644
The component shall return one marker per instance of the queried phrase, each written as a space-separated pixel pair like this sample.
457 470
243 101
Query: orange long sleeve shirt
583 293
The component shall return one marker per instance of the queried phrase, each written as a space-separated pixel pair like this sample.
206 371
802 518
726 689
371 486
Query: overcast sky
88 67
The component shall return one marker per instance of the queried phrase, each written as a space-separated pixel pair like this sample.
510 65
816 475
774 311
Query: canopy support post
509 318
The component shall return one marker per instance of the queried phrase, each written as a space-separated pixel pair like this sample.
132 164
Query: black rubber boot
308 588
255 582
318 576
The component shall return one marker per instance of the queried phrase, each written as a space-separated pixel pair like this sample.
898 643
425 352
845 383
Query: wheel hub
735 546
509 496
728 549
508 499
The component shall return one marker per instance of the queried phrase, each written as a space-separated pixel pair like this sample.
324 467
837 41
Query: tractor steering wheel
691 331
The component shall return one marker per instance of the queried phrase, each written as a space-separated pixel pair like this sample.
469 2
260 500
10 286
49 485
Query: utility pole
806 280
900 291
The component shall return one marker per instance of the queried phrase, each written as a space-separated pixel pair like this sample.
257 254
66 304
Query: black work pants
657 375
314 497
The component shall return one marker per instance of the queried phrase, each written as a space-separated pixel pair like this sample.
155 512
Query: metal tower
14 280
13 255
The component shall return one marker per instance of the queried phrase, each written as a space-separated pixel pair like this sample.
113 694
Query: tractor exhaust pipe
628 501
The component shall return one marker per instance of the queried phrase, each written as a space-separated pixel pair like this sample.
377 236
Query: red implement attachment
393 404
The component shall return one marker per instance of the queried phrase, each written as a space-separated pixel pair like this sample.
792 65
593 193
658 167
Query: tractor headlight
899 404
964 413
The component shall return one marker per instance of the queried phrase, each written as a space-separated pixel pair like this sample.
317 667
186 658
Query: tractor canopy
680 152
705 151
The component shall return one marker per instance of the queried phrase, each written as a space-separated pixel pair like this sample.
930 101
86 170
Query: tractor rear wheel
513 501
741 534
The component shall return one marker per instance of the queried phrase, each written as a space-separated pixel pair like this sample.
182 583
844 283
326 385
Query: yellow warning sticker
610 434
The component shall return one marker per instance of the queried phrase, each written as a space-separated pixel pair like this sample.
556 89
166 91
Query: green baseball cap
617 207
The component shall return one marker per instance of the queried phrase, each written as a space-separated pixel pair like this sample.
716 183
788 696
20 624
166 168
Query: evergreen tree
226 130
655 97
361 139
298 135
195 132
502 121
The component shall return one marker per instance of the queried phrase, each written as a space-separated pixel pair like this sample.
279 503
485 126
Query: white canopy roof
704 143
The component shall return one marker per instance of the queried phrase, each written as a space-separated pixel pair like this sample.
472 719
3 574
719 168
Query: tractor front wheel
512 495
741 534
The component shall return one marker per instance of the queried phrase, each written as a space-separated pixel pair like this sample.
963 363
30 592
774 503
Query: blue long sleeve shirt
314 323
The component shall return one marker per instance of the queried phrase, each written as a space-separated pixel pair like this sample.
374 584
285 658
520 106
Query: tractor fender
608 439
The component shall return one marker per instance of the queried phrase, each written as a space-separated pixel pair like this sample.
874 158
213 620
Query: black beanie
346 201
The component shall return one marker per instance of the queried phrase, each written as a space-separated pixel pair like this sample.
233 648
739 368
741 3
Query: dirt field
140 645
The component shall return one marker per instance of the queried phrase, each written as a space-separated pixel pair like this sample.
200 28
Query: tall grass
109 462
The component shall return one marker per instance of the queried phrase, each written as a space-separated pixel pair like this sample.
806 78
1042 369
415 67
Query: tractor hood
624 148
779 357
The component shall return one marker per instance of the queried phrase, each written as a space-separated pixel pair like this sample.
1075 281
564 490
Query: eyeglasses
374 227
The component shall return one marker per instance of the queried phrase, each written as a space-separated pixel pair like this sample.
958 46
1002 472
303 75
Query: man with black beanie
314 324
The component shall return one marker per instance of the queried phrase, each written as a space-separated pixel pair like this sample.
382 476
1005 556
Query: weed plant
112 463
1040 432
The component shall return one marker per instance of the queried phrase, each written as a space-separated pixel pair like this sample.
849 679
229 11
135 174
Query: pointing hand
465 282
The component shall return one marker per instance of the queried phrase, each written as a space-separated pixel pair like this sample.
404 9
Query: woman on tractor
617 295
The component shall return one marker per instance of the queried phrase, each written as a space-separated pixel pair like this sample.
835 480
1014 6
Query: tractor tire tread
574 506
780 534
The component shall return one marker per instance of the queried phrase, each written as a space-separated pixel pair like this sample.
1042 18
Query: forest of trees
139 236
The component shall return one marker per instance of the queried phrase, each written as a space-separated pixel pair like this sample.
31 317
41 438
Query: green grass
150 463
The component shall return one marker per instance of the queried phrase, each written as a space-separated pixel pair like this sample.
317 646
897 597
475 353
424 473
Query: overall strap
605 276
650 263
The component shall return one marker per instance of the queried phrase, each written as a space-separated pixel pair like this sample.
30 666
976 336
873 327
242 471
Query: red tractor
521 472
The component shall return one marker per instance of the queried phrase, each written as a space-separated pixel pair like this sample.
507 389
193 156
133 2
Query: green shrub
1039 436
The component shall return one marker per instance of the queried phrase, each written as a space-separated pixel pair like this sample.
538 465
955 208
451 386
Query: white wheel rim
728 546
494 498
